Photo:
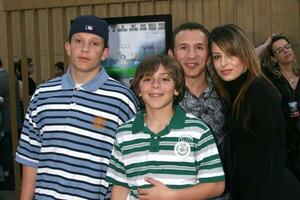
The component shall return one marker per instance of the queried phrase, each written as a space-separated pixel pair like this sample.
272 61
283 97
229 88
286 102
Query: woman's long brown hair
232 40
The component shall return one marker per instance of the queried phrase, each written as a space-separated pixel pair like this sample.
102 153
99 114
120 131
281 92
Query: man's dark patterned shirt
207 107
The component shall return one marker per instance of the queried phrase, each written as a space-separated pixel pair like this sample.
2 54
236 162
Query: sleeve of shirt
116 174
209 164
28 150
128 107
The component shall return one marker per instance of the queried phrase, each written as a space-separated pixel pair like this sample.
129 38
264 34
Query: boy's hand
159 191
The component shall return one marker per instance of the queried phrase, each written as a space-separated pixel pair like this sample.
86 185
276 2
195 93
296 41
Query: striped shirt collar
177 121
92 85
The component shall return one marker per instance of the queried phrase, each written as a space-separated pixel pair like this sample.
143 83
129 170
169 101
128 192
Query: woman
255 145
282 69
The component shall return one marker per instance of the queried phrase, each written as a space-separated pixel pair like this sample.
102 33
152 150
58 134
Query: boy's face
191 51
158 90
86 50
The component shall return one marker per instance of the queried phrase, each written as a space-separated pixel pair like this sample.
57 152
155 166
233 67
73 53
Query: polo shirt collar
177 121
92 85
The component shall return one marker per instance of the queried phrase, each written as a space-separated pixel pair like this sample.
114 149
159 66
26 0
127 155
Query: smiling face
158 90
86 50
283 52
191 50
227 67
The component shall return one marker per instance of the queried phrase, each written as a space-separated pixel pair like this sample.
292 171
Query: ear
68 48
170 53
105 54
176 93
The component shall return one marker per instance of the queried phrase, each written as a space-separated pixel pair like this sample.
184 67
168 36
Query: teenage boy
164 153
70 125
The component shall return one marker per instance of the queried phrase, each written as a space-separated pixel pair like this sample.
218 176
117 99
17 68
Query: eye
216 57
146 79
166 79
279 50
95 43
182 47
200 47
77 41
288 46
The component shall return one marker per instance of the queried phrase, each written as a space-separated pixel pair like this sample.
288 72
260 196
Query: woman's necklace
292 79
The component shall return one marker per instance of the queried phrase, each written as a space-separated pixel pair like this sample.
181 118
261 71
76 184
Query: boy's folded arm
159 191
201 191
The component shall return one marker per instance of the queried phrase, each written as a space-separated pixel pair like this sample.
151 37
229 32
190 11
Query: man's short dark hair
187 26
60 65
18 65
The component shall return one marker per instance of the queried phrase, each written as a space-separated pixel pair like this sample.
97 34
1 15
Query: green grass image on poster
121 72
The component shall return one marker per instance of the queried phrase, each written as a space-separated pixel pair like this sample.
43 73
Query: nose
224 61
85 47
191 53
155 83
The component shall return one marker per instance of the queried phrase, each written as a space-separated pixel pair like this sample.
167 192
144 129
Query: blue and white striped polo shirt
68 134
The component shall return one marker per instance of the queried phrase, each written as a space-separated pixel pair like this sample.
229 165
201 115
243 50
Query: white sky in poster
133 41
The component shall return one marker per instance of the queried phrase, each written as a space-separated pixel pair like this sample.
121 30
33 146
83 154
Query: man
70 125
190 47
59 69
18 72
6 156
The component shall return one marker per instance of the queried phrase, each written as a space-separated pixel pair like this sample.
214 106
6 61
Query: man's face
86 50
30 68
191 50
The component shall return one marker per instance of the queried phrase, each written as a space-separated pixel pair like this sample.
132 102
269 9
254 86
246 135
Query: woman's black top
255 155
291 108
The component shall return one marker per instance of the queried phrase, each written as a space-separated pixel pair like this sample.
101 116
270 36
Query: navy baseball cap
89 24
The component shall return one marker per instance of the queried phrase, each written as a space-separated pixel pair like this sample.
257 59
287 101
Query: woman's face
283 52
227 67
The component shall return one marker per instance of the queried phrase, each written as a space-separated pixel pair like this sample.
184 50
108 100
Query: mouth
82 58
155 95
225 71
191 65
288 55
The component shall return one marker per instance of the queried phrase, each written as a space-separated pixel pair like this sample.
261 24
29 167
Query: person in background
255 148
164 153
189 46
18 72
59 69
6 155
70 124
280 66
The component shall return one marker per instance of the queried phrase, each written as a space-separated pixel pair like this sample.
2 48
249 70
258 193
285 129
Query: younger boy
164 142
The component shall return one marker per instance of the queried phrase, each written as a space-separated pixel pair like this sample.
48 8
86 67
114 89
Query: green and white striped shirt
183 154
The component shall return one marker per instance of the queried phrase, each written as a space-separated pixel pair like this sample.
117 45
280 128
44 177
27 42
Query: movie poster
129 43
